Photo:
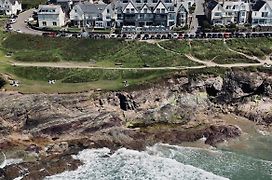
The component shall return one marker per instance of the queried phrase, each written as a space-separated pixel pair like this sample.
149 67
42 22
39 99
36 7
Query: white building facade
228 12
51 16
262 13
10 7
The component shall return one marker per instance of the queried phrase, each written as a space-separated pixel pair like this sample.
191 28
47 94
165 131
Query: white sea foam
130 164
13 161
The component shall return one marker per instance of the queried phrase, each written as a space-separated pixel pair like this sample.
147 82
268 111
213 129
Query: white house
95 15
51 16
228 12
10 7
262 13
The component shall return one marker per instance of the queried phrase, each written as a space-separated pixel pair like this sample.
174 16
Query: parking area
159 36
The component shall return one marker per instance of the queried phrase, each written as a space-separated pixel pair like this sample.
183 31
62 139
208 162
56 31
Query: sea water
168 162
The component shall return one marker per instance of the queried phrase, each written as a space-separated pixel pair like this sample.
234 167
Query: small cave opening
123 102
211 91
246 88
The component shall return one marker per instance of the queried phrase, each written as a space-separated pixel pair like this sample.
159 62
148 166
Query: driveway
199 11
21 25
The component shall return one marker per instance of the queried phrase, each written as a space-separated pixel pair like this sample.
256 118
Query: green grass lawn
177 46
256 46
216 51
212 50
35 79
103 52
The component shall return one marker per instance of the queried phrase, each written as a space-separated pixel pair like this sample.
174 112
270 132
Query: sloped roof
90 8
258 5
211 4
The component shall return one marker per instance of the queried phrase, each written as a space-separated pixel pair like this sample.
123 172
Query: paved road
21 25
199 11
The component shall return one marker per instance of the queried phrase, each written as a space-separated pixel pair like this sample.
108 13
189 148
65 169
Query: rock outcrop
171 111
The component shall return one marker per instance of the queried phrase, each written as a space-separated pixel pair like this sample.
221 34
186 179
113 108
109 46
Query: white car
175 35
18 31
69 35
12 21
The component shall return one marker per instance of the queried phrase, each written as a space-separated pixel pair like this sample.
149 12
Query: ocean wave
130 164
232 165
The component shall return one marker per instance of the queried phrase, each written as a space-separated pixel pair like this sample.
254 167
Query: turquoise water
233 165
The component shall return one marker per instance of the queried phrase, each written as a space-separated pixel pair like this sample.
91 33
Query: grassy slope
214 50
258 46
103 52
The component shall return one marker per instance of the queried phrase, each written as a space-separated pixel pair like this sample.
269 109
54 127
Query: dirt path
82 66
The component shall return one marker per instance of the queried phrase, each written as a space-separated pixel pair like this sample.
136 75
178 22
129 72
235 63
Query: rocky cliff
49 128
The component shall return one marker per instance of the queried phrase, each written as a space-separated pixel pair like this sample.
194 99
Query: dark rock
126 101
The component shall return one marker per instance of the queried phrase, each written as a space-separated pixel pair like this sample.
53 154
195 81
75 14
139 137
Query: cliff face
172 111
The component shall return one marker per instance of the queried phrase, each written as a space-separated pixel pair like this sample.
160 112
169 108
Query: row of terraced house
118 13
241 12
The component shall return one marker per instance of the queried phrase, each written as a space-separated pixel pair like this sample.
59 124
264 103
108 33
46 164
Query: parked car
175 35
18 31
12 21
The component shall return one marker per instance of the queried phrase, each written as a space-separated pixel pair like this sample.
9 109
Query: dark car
214 35
186 36
220 35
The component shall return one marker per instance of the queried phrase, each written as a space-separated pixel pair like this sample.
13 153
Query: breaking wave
129 164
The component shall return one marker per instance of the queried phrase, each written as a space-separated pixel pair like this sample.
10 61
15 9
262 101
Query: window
132 10
145 1
145 10
243 14
108 11
162 10
44 23
264 14
127 10
54 23
228 7
155 1
171 8
217 14
138 1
